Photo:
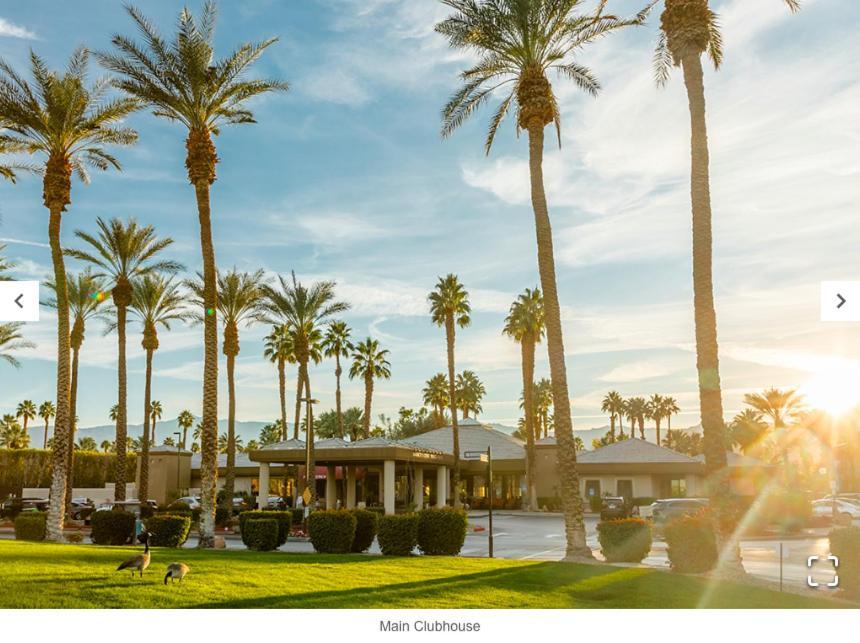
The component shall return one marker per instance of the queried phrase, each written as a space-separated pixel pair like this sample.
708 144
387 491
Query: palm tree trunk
209 434
298 415
143 491
527 349
230 478
577 548
59 460
122 402
70 449
452 397
282 393
45 440
612 427
337 373
368 394
310 459
657 421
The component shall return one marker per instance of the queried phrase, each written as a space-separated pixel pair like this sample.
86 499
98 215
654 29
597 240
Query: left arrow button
18 301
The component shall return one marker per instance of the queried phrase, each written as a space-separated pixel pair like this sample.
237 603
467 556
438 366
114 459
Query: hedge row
261 534
845 543
20 468
441 532
333 531
112 527
168 530
30 525
284 520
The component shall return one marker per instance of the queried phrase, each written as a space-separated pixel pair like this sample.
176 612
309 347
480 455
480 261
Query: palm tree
27 411
670 408
655 410
123 252
543 403
782 408
240 297
470 392
613 404
449 306
8 172
747 429
85 296
278 348
68 122
106 446
630 412
525 325
224 446
113 414
638 408
369 362
185 420
435 395
12 435
183 83
155 301
5 264
517 43
336 344
47 410
304 311
87 444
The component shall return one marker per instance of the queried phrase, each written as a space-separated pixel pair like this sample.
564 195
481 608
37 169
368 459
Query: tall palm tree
470 392
155 301
370 363
155 413
336 343
517 43
629 411
240 297
636 410
185 420
747 429
688 28
304 310
27 411
783 408
655 410
435 395
543 403
670 408
449 307
123 252
278 348
47 410
68 122
525 325
182 82
85 296
613 404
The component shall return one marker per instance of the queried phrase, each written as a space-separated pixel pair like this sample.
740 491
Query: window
592 488
624 488
678 487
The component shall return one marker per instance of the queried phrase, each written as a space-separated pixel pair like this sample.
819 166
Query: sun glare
834 391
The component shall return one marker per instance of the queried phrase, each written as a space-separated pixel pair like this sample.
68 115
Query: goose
141 561
176 570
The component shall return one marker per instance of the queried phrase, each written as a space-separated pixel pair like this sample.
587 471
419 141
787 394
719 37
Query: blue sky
345 177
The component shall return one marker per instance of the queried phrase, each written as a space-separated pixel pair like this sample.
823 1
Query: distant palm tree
543 403
240 297
369 362
630 412
106 446
336 343
224 445
304 310
670 408
747 429
68 122
449 307
113 414
86 297
155 413
123 252
271 433
184 83
27 411
655 409
87 444
12 435
525 325
185 421
278 348
637 408
435 395
470 392
783 408
613 404
47 410
516 44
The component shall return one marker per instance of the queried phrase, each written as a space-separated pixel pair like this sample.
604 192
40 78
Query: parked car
131 506
193 502
81 509
665 510
846 510
614 508
17 505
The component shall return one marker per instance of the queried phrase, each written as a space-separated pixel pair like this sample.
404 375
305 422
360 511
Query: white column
418 494
263 491
441 486
388 486
330 487
350 487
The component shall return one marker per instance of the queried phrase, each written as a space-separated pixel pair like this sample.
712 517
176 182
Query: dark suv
614 508
664 511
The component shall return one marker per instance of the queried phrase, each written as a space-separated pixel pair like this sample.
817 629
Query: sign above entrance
475 455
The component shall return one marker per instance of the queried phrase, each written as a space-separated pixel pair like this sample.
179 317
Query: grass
40 575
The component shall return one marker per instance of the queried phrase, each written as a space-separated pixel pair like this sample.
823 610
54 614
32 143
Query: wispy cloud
12 30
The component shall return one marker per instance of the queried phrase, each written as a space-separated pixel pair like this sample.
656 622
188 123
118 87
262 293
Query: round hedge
332 532
30 525
692 544
112 527
261 534
366 524
167 530
283 518
441 532
398 534
624 541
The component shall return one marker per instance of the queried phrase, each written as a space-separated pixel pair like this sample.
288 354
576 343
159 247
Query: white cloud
12 30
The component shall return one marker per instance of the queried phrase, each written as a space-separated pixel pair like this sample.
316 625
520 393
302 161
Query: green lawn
77 576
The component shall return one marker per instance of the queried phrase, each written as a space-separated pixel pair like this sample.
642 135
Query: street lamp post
310 464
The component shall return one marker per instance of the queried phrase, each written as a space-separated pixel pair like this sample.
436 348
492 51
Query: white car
846 510
193 502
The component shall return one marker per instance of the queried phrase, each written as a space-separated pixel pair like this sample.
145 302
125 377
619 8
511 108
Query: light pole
310 464
178 456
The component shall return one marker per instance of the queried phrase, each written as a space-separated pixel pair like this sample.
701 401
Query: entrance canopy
335 451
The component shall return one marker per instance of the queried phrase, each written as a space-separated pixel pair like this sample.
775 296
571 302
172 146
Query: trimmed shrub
692 543
398 534
283 518
441 532
146 511
167 530
30 525
366 524
12 509
332 532
112 527
624 541
845 543
261 534
223 515
298 516
552 503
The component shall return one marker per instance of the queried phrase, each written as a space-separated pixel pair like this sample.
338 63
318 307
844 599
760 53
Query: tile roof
633 450
474 436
